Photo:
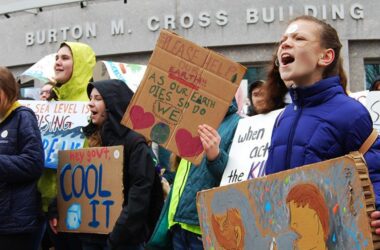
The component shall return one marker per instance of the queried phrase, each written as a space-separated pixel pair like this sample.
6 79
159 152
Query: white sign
373 106
249 150
60 124
131 74
360 96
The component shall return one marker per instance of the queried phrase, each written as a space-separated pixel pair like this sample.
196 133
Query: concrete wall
244 30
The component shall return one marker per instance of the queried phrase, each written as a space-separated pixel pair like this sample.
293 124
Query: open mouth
286 59
93 113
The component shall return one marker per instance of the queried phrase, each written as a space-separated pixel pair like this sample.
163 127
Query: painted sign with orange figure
318 206
184 86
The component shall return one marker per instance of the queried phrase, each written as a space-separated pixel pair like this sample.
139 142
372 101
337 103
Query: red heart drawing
141 119
187 144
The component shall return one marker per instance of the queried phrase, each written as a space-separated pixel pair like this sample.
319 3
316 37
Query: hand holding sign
210 140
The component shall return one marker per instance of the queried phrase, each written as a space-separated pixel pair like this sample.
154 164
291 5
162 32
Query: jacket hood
83 66
116 95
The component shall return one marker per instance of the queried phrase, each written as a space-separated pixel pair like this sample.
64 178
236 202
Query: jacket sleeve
131 223
26 163
226 132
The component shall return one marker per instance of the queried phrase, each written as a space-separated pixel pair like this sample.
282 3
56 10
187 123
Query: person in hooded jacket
21 164
109 100
322 122
74 65
183 219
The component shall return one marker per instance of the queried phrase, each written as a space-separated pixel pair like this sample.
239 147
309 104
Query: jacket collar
14 106
317 93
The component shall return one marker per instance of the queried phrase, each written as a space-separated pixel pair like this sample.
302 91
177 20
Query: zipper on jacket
292 131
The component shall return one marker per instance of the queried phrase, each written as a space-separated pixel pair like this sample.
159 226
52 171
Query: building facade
246 31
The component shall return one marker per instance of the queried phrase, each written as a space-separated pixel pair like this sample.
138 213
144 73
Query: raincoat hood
116 95
83 66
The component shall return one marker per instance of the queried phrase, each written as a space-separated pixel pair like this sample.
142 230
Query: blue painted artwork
320 206
74 216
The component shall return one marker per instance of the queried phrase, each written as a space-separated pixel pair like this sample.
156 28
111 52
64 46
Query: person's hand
53 223
210 140
375 216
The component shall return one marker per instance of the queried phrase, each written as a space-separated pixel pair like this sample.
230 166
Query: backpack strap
368 142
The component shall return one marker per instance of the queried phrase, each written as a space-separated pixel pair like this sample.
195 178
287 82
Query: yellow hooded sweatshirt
84 61
74 89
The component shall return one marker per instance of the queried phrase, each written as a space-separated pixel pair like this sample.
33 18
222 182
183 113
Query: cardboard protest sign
184 86
373 106
90 189
249 149
318 206
60 124
131 74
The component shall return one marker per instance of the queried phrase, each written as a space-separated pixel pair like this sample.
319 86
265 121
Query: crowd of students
321 123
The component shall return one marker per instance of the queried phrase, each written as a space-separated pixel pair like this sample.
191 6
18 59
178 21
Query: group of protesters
320 123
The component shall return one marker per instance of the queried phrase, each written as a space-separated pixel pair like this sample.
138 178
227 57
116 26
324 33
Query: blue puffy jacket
21 164
322 123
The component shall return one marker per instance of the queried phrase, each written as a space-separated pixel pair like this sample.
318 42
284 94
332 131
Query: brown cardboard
184 86
268 212
90 181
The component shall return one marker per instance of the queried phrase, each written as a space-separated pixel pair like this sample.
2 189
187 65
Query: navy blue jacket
322 123
21 164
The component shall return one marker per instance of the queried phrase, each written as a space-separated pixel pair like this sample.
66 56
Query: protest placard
90 189
60 124
249 149
184 86
131 74
318 206
373 106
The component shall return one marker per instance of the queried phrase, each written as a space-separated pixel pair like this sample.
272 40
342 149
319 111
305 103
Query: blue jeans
185 240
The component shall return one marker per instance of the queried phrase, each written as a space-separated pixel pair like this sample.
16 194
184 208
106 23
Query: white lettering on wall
335 11
29 38
187 21
169 22
52 36
311 10
357 11
221 18
252 16
268 18
153 23
90 30
204 19
117 28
